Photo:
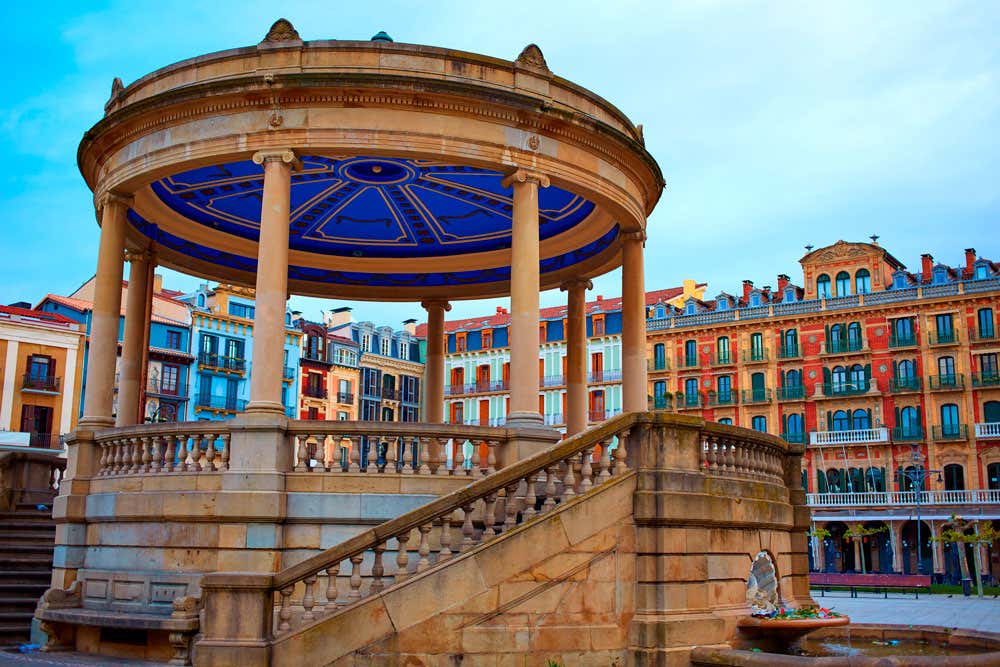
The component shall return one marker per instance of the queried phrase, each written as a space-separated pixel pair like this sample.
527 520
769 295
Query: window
754 299
385 347
759 423
460 342
794 425
862 282
722 303
949 420
598 325
843 283
366 342
487 340
724 384
899 280
860 420
840 422
823 287
945 331
659 395
659 356
209 344
982 272
946 370
756 347
993 476
902 331
201 300
39 367
954 477
168 379
173 340
875 479
241 310
660 312
854 339
722 346
791 343
342 416
691 391
909 423
988 368
793 378
691 353
690 308
836 338
726 420
858 378
234 348
939 275
985 321
838 378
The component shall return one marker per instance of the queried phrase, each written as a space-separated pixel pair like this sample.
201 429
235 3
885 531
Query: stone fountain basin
786 626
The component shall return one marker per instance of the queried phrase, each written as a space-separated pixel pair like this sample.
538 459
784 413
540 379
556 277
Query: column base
267 407
525 420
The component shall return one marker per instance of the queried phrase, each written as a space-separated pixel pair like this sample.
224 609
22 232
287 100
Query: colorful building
42 374
222 334
168 356
889 377
477 362
329 374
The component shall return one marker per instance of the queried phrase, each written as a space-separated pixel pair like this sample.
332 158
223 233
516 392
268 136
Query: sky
776 124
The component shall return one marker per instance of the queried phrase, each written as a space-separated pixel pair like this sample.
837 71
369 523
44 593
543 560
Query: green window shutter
826 376
871 423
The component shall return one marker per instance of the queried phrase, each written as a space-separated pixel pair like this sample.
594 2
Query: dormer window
789 296
899 280
939 275
754 299
689 308
722 303
661 312
386 346
981 271
201 300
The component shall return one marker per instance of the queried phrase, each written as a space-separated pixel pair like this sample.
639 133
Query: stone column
895 534
434 364
130 367
576 355
106 313
272 282
634 389
524 288
937 549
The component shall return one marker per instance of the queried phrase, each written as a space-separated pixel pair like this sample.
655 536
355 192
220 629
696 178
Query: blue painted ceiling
370 206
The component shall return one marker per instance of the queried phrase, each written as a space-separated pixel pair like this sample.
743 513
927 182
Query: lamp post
917 477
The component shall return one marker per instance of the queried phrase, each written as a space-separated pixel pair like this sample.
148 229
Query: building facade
329 374
42 374
222 338
889 377
477 361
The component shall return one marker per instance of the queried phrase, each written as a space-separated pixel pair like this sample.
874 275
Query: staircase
27 538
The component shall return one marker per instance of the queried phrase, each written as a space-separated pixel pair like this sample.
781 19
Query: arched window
789 296
837 333
875 479
201 300
862 282
722 346
838 378
659 356
954 477
691 391
793 378
993 476
854 341
855 480
860 420
843 283
791 342
912 478
906 370
909 423
661 312
691 353
834 480
949 420
759 423
794 424
690 308
946 370
726 420
840 421
823 286
858 381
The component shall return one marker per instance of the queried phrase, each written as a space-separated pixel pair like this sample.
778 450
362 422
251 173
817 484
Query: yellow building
42 371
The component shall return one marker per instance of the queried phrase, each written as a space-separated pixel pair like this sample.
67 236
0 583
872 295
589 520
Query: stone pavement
65 659
951 612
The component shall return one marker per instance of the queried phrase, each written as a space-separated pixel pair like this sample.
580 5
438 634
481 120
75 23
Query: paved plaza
948 611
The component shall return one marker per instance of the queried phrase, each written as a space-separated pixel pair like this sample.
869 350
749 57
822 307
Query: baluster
155 454
308 599
390 457
489 516
301 454
424 455
586 471
569 479
445 552
491 456
476 470
730 457
355 455
439 458
331 587
378 569
458 461
102 466
285 613
402 557
467 530
529 497
146 457
127 465
424 548
320 453
209 453
711 454
120 456
604 463
224 465
190 462
550 488
355 592
621 453
510 506
406 459
168 458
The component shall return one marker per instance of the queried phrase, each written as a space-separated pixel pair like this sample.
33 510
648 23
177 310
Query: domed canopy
401 155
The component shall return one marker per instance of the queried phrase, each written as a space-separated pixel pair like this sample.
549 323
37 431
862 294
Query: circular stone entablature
402 150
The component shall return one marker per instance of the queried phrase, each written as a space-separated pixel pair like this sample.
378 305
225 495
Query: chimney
926 264
783 281
157 283
600 298
410 327
500 310
747 288
970 259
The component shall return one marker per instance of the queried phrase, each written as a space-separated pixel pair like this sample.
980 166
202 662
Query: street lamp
917 477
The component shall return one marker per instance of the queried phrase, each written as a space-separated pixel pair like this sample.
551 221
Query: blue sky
776 124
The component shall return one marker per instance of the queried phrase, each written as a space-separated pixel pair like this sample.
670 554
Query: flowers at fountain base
801 613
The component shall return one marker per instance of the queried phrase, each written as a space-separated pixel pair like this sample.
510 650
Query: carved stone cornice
282 155
522 175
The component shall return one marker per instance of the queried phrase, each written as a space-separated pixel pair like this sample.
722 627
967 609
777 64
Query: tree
956 532
859 532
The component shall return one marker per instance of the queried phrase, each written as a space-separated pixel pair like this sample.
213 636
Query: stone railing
988 430
29 476
894 498
156 449
733 452
849 437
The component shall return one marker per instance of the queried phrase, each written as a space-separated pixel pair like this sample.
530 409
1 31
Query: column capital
577 283
519 175
133 256
284 155
436 303
112 197
638 235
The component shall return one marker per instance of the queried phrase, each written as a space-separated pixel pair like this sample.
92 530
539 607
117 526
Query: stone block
506 557
478 639
421 598
382 507
71 533
332 535
728 566
232 535
263 536
560 638
323 506
337 636
672 568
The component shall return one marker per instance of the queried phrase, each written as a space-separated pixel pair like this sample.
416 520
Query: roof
341 339
82 305
54 318
501 317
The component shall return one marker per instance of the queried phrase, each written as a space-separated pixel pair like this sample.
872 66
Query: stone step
33 590
27 562
10 604
9 536
26 577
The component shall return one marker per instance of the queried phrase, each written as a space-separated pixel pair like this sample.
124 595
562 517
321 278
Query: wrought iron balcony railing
991 379
789 352
755 356
345 397
902 340
689 401
48 383
722 398
902 385
221 403
943 337
756 396
846 388
950 432
791 393
798 438
211 360
950 382
908 434
314 392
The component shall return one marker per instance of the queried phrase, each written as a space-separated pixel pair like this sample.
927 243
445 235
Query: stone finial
117 87
282 31
638 131
532 56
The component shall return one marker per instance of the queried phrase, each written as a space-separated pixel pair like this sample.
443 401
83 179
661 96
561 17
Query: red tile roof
36 314
501 317
82 305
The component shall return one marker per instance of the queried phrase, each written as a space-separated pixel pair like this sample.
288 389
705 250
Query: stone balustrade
849 437
729 451
988 430
905 498
156 449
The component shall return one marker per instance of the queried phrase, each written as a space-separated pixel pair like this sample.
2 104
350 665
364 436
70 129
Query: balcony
345 397
657 365
552 420
908 434
169 390
843 347
792 393
751 396
991 379
689 401
988 430
905 385
797 438
789 352
755 356
902 341
288 373
220 404
943 338
316 358
604 376
314 392
723 360
953 382
547 381
688 362
860 436
722 399
898 498
951 432
988 336
662 402
846 388
43 384
221 362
